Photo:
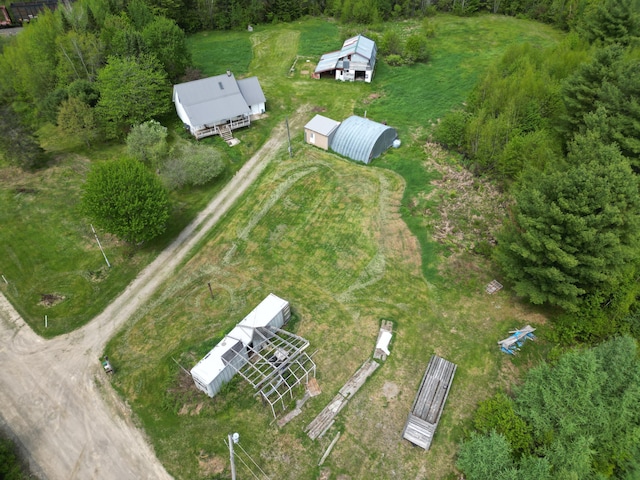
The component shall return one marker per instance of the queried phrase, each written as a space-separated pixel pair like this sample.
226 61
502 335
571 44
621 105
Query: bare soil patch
390 390
371 97
210 465
50 299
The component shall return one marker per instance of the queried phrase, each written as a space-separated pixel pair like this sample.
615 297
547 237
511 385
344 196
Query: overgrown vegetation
325 234
11 467
575 419
549 124
554 124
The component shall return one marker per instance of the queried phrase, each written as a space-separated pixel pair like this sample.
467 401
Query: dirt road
55 399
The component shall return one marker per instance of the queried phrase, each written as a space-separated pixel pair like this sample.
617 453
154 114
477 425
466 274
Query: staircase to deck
225 133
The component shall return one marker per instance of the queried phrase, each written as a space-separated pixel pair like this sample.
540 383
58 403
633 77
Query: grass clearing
326 235
347 245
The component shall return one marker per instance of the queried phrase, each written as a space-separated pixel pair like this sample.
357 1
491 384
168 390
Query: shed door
312 137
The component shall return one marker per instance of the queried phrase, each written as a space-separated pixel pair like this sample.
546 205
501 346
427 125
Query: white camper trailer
228 356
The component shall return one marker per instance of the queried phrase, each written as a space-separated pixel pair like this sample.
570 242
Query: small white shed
228 356
320 131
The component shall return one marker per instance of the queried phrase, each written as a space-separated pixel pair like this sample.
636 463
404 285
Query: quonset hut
362 139
232 353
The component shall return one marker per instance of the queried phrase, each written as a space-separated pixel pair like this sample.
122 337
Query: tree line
575 419
194 15
104 69
559 128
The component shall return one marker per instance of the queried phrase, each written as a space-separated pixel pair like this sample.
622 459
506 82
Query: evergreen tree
575 231
613 21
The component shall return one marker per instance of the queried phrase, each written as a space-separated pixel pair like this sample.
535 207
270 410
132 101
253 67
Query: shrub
127 200
391 43
394 60
147 142
416 49
450 132
191 165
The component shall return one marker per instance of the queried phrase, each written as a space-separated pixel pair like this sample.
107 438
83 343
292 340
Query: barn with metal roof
362 139
355 61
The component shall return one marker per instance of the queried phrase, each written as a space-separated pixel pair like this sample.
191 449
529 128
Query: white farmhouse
217 105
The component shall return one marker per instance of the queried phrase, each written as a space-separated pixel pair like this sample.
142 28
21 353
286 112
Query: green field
347 245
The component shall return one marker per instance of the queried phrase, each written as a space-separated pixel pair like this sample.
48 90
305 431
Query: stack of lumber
326 417
429 403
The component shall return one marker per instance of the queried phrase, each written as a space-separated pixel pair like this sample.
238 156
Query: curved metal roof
362 139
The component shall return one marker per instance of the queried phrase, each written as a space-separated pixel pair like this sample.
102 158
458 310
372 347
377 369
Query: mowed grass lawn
337 241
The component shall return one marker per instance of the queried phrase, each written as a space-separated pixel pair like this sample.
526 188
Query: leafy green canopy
191 164
147 142
582 413
132 90
575 231
125 199
509 123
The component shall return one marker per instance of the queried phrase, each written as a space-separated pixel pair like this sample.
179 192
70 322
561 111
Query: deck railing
215 130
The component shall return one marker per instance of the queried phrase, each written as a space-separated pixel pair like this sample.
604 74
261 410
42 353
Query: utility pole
286 119
97 240
233 439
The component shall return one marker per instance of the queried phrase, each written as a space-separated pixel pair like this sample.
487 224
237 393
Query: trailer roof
212 364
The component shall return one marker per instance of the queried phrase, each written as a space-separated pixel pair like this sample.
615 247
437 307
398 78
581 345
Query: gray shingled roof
215 99
322 125
251 90
362 139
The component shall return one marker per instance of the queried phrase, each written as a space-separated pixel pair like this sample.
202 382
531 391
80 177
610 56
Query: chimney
228 73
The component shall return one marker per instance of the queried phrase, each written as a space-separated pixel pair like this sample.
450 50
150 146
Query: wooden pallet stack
429 403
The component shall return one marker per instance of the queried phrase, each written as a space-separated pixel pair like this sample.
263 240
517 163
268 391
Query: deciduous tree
147 142
132 90
125 199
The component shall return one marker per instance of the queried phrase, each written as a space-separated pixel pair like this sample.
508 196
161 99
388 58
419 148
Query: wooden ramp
429 403
326 417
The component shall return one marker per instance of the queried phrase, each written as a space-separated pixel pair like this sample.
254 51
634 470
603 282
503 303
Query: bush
147 142
394 60
497 414
416 49
391 43
127 200
450 132
191 165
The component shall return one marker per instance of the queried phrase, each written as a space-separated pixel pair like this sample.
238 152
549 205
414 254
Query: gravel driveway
55 399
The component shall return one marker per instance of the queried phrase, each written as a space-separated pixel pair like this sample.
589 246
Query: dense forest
558 129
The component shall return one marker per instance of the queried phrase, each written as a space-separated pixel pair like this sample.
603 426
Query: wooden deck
224 128
429 403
